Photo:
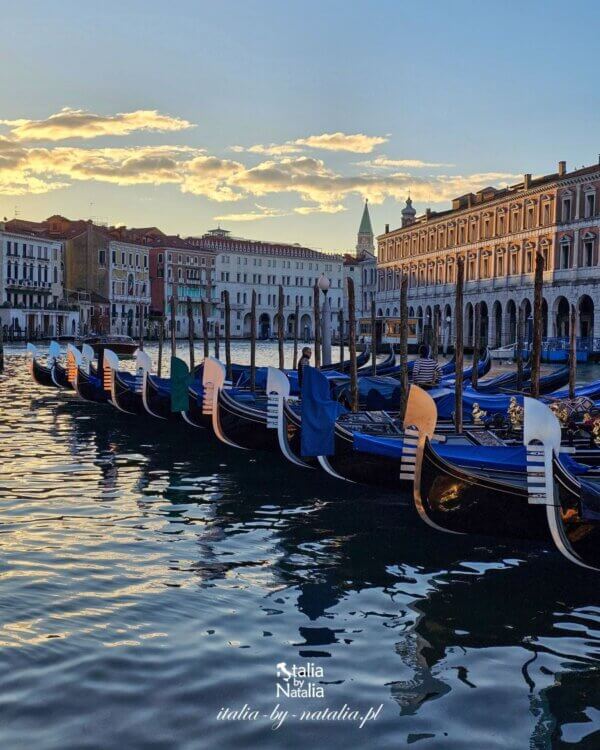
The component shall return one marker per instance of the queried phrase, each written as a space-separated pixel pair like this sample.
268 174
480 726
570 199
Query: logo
299 680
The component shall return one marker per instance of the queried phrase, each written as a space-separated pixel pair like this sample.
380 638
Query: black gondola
541 500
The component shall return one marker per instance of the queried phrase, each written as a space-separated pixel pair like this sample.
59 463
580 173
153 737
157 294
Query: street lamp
323 283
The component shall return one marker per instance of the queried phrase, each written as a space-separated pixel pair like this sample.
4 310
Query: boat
125 388
529 491
124 346
504 353
42 373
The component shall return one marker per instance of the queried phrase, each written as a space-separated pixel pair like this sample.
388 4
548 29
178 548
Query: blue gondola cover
319 414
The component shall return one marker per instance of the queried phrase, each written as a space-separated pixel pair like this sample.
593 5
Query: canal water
159 590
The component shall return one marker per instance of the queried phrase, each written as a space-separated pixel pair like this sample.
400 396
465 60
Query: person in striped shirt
426 371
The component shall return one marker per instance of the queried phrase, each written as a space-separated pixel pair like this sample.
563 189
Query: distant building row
74 277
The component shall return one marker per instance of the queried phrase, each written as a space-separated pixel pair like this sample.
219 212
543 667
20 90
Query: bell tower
365 238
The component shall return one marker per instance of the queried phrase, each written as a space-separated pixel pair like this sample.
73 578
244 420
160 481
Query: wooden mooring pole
228 370
141 310
218 336
317 316
341 329
520 345
459 346
352 346
204 316
161 340
536 349
373 339
280 328
435 334
173 340
476 344
253 341
572 350
296 324
404 384
190 317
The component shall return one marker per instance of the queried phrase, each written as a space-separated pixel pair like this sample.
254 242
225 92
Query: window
102 257
546 214
565 247
529 262
566 209
590 205
588 253
500 265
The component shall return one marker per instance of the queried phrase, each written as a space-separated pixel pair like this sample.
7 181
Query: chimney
562 168
387 228
526 181
427 213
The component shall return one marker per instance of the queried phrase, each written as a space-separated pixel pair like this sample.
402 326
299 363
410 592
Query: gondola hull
41 374
60 376
466 502
574 534
364 468
245 425
127 393
89 387
157 398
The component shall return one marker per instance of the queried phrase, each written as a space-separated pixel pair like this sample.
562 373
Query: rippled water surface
152 578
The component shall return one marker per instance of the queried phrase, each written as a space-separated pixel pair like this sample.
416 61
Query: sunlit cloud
77 123
262 212
211 177
319 188
383 162
356 143
326 208
272 149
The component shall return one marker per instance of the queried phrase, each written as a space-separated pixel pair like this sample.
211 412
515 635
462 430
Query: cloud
384 162
272 149
262 213
211 177
77 123
357 143
327 208
36 169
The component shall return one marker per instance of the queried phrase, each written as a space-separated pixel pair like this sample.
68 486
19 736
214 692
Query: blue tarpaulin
319 413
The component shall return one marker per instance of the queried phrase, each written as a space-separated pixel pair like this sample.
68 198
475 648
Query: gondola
574 516
196 414
125 388
42 374
530 491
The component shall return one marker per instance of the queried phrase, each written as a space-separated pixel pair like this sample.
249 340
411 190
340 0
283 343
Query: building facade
129 274
32 299
243 265
497 233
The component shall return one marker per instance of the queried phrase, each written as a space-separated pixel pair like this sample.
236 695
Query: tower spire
365 240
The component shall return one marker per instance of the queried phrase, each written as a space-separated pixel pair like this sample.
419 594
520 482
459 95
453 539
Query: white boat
504 352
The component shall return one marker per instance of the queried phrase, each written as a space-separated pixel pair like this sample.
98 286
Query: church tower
408 213
365 243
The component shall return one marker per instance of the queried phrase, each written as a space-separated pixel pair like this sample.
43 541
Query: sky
276 120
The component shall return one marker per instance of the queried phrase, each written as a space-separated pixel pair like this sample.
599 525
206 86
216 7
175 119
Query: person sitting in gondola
302 362
426 371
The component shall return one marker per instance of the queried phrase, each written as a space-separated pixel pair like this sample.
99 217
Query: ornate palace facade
497 232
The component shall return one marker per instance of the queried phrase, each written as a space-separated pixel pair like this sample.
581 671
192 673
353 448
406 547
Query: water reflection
142 560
